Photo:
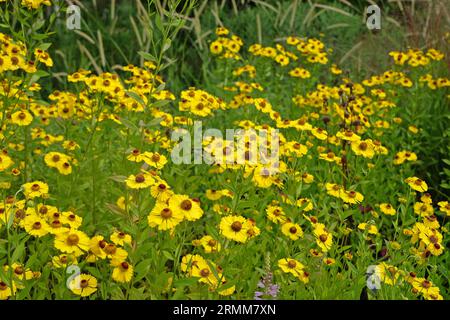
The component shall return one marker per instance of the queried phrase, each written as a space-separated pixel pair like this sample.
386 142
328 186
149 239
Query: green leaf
18 252
147 56
168 255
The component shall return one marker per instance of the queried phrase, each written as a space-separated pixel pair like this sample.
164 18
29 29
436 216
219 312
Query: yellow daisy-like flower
123 272
234 228
386 208
444 206
35 189
189 208
154 159
352 197
161 191
64 260
83 285
417 184
139 181
120 238
294 267
21 118
292 230
210 244
5 290
164 217
35 226
74 241
275 214
324 239
5 161
370 228
213 194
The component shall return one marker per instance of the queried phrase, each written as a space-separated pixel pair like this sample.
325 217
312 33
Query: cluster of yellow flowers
226 47
416 57
199 102
391 276
13 56
207 272
39 220
33 4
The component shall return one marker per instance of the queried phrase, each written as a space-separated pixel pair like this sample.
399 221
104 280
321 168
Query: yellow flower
189 208
386 208
324 239
319 133
73 241
263 177
83 285
164 217
120 238
154 159
213 194
64 260
139 181
423 209
352 197
222 31
417 184
294 267
334 189
21 118
234 228
210 244
413 129
161 191
363 148
275 214
203 271
5 290
5 162
123 272
35 189
292 230
388 273
370 228
348 136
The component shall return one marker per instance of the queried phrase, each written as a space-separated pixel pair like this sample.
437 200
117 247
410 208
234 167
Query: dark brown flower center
37 225
186 205
156 157
204 272
166 213
72 240
139 178
363 146
84 283
236 226
43 210
110 249
292 264
19 270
